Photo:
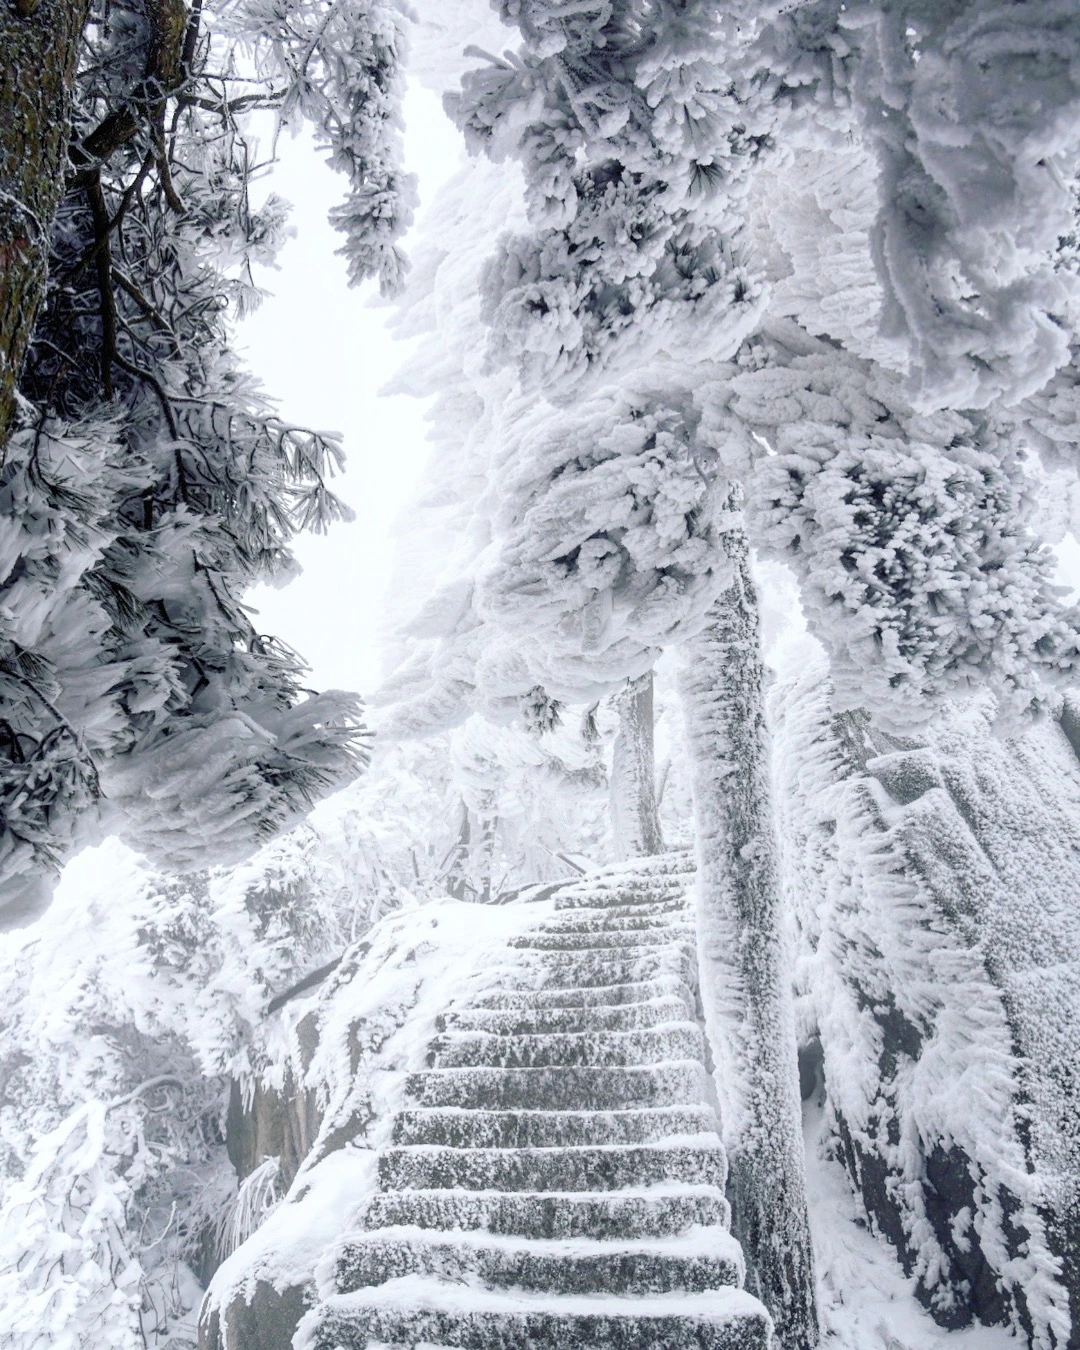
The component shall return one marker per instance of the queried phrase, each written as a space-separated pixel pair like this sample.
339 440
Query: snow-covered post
745 982
635 818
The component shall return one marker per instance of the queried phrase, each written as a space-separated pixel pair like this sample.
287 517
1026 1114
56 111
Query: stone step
609 995
703 1258
629 897
543 1022
656 1211
585 970
457 1128
597 903
414 1311
606 940
671 910
670 920
560 1089
655 1045
598 1167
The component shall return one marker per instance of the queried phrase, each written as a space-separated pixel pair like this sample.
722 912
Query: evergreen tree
146 481
745 963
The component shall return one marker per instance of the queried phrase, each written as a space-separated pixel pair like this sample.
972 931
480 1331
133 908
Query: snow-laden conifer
148 482
636 150
340 66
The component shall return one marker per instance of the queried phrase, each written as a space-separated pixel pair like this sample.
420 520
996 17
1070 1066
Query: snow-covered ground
864 1300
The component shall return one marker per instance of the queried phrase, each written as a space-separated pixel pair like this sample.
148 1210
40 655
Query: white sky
324 352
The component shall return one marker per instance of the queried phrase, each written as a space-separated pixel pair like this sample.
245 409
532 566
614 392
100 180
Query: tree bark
635 818
39 46
744 964
457 884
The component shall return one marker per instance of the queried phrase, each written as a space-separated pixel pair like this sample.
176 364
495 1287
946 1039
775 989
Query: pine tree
745 965
40 43
636 150
146 481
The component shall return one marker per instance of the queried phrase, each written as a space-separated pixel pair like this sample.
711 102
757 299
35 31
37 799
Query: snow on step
634 991
581 1167
460 1128
589 970
556 1177
653 1211
700 1259
628 902
414 1309
604 921
590 1088
620 908
521 1022
631 942
657 1045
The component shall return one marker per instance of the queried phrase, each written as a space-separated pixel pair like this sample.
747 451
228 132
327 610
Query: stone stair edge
697 1240
705 1139
469 1299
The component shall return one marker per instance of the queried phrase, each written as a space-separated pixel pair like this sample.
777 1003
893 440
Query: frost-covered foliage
909 535
149 482
595 518
608 541
97 1256
478 813
533 805
973 115
966 117
128 1008
340 66
110 1133
570 545
934 885
635 149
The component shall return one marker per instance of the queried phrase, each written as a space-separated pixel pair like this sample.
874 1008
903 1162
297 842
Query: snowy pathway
556 1177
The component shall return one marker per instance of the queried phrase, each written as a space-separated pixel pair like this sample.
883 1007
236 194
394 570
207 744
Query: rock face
936 889
267 1320
268 1122
553 1175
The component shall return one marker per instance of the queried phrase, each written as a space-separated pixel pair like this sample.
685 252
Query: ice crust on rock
374 1021
934 885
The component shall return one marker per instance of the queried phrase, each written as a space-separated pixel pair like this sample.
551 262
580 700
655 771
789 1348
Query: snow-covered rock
935 885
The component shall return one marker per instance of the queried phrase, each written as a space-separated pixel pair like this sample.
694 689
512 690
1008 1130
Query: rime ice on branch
147 482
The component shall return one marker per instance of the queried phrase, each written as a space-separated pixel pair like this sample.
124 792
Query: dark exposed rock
267 1322
267 1122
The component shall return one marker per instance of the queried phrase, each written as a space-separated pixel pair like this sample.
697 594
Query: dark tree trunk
635 819
39 45
745 974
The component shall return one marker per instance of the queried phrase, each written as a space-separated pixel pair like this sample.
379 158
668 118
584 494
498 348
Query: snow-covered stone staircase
556 1178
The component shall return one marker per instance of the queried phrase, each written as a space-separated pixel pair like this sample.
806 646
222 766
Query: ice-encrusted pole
744 967
635 820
